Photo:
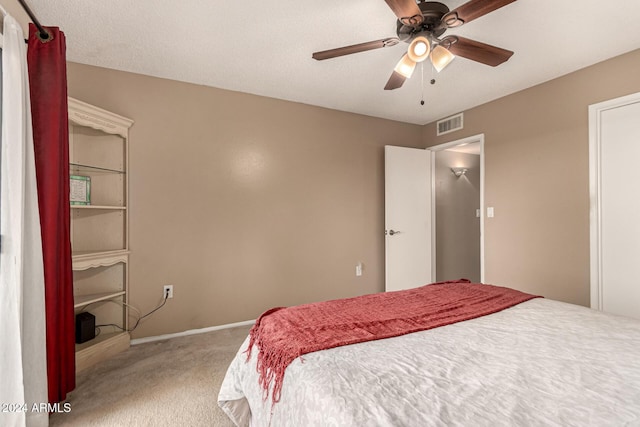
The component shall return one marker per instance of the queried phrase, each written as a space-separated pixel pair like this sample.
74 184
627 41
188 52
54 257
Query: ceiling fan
421 24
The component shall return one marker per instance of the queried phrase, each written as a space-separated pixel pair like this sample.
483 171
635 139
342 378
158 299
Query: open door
408 243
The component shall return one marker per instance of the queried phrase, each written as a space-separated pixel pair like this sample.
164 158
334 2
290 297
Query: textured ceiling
264 48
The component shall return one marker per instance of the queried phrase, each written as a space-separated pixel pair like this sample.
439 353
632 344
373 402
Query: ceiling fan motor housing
432 12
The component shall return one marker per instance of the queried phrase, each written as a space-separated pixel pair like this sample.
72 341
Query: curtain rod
42 33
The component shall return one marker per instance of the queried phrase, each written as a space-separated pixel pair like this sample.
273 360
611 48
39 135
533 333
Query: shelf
99 151
99 207
82 300
88 168
103 337
100 348
98 254
82 260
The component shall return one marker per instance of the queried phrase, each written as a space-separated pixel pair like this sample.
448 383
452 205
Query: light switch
490 212
477 213
359 269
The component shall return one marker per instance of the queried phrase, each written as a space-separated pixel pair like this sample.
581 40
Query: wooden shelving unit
98 149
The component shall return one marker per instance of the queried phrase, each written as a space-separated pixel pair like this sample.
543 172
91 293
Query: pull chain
433 80
422 83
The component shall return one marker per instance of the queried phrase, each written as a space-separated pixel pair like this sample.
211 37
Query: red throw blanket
282 334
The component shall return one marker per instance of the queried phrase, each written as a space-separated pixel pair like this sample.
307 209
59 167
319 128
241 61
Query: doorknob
392 232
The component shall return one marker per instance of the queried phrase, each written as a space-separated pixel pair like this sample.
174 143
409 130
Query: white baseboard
191 332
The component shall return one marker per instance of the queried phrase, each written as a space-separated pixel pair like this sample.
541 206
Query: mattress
539 363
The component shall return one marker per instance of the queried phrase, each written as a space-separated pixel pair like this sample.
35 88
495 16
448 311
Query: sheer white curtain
23 371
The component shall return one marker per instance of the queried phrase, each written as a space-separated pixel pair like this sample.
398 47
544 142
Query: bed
536 363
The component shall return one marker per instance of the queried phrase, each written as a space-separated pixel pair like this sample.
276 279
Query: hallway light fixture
458 172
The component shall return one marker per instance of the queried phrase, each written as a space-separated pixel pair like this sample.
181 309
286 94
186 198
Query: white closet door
616 189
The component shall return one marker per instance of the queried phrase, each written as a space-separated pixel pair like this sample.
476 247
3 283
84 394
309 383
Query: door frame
595 192
440 147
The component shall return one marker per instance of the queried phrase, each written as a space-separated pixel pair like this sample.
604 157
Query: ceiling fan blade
402 71
472 10
395 81
360 47
407 11
475 50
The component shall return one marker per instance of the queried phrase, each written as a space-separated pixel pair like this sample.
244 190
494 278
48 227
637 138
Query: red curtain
48 85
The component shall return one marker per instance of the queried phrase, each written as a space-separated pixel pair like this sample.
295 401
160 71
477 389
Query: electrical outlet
167 289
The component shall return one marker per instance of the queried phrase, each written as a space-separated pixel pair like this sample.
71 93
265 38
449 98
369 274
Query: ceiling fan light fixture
441 57
405 66
419 49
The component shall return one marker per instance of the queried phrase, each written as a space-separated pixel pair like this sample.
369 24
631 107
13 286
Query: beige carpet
173 382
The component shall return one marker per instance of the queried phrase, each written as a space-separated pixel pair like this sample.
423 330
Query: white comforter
540 363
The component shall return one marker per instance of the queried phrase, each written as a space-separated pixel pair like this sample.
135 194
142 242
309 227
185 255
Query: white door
615 215
408 251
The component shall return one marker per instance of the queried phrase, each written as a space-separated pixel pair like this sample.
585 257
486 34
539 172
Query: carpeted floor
173 382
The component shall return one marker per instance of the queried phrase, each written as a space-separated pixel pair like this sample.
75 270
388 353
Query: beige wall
457 227
244 202
536 165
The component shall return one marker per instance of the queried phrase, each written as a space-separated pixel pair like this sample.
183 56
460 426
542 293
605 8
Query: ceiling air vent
450 124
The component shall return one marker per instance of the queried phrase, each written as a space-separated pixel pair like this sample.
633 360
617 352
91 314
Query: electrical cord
130 306
112 301
166 296
111 324
140 317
